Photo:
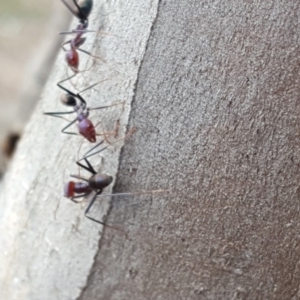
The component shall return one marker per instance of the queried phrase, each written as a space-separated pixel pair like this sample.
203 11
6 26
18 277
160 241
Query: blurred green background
29 42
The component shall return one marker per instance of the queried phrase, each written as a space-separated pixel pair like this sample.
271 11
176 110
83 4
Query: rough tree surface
214 93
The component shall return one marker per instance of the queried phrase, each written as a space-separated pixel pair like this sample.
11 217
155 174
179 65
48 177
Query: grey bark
216 105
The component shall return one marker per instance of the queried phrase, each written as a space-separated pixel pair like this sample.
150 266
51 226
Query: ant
96 183
85 126
82 12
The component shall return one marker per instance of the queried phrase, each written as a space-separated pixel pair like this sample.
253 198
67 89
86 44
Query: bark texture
47 245
216 105
217 111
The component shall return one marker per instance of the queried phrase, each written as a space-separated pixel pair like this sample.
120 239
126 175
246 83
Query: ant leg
79 177
79 196
83 31
66 127
78 96
86 155
91 86
89 154
71 9
134 193
97 221
88 168
58 114
105 134
79 31
94 147
65 89
90 54
62 45
59 84
115 131
90 206
107 106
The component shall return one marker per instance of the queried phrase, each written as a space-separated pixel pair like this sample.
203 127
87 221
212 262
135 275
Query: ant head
68 100
84 8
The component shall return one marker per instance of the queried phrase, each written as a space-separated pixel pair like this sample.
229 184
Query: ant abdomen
72 59
87 129
72 188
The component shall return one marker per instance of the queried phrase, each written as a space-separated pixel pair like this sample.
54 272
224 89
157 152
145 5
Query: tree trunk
213 90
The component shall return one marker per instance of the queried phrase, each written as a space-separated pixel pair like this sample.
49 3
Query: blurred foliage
23 8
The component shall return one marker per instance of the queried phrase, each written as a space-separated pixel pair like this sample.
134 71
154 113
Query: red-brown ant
85 126
96 183
82 11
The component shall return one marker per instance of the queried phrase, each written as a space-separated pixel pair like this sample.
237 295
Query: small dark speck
298 193
132 170
133 273
199 291
159 228
247 81
10 144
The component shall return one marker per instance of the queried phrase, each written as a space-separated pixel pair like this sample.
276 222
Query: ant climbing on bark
82 11
96 183
85 126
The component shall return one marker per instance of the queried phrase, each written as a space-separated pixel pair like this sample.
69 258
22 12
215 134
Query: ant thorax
78 41
82 26
82 112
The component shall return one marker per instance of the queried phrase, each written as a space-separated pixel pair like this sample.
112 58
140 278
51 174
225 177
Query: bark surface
217 111
215 90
